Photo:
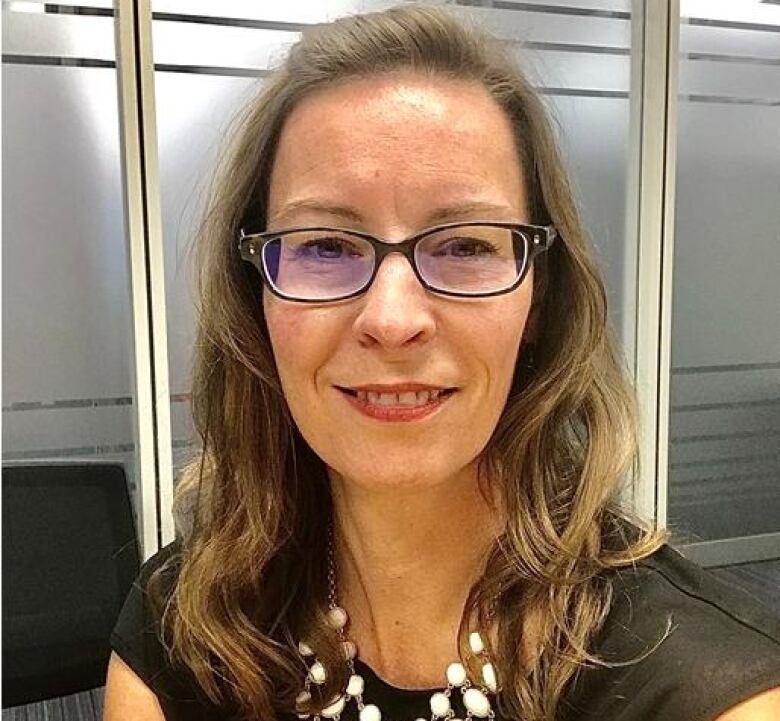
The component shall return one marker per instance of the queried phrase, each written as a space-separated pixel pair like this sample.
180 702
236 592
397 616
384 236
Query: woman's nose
396 310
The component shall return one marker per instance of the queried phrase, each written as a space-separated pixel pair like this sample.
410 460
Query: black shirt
723 648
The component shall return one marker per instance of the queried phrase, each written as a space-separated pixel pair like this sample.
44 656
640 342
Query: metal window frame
141 195
650 220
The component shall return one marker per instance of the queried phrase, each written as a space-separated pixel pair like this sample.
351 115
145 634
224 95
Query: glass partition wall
724 465
689 320
68 341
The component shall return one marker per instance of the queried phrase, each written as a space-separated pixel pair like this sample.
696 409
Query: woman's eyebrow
453 212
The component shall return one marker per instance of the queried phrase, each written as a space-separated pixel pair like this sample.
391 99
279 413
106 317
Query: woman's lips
398 412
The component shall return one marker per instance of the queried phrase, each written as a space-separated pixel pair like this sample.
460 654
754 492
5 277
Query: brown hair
251 578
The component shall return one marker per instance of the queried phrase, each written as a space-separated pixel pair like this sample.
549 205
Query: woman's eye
465 247
330 248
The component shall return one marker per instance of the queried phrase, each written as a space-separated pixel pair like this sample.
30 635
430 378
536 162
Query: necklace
475 697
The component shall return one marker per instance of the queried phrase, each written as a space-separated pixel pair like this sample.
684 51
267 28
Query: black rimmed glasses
467 260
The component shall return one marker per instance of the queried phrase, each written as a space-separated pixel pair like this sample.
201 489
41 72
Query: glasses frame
539 237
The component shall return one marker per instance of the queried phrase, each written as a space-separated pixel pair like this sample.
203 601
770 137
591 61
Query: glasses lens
318 265
472 259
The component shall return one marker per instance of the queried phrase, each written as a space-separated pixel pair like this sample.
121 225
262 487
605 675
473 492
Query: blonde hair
254 507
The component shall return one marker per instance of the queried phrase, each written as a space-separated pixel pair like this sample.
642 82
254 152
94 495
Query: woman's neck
406 559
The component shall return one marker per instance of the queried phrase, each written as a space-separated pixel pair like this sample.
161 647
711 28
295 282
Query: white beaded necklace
475 698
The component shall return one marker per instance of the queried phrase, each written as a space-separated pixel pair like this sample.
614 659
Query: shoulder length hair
254 506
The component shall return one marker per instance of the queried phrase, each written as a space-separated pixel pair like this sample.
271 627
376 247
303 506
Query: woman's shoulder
136 636
667 586
704 644
168 558
151 590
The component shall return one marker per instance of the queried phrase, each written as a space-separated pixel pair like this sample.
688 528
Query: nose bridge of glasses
384 248
384 251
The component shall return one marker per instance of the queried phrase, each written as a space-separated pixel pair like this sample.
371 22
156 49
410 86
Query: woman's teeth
399 399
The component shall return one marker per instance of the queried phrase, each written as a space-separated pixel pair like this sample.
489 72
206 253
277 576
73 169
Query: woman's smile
397 407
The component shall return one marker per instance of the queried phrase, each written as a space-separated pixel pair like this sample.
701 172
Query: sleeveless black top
723 648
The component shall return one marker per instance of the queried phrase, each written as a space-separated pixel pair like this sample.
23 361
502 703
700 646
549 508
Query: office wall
724 464
67 327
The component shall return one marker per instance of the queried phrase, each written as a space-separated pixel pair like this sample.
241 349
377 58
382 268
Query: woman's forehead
364 117
404 137
399 93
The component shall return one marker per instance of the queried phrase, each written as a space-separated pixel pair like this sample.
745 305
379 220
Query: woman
414 423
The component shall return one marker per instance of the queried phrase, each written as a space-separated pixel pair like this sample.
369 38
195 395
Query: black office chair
70 555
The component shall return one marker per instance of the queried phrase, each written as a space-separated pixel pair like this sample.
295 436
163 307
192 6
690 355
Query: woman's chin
409 475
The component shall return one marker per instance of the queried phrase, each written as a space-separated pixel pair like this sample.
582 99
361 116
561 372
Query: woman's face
396 150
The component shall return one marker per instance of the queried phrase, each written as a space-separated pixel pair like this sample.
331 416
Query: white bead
440 704
456 674
337 617
304 649
475 641
317 672
355 685
489 676
476 702
335 708
370 713
350 650
421 719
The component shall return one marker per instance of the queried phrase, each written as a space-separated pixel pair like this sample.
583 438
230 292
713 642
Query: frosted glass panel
67 345
58 36
725 393
579 53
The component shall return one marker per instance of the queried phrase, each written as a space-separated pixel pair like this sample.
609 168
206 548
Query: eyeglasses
469 260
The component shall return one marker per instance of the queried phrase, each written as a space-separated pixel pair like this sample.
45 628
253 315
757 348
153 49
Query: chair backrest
70 555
